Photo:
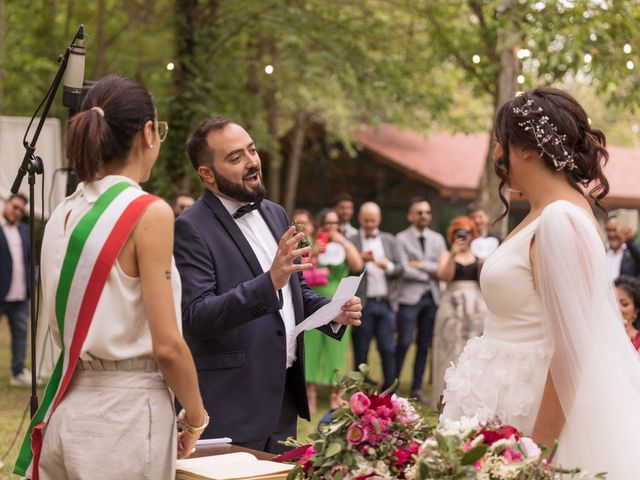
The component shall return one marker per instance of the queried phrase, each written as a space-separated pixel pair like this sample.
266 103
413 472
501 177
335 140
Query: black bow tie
243 210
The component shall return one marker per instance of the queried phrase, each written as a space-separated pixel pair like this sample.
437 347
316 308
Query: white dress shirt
614 261
18 288
376 277
264 245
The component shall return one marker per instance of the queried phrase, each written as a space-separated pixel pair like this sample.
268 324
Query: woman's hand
336 236
459 245
186 443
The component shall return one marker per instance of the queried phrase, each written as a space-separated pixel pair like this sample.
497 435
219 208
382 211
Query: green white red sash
94 246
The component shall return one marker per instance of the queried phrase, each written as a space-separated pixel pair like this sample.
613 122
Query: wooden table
221 449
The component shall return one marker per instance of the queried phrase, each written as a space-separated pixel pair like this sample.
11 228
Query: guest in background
14 283
181 203
461 311
623 253
343 205
323 354
303 217
485 243
628 294
418 291
379 251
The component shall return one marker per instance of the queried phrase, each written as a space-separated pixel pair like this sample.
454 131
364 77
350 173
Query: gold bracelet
190 429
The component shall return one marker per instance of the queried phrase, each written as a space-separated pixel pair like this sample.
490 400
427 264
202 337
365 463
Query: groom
243 294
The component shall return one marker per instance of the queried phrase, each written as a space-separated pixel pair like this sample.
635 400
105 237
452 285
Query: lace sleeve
594 367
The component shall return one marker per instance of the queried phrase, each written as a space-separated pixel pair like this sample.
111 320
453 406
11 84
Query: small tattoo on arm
167 275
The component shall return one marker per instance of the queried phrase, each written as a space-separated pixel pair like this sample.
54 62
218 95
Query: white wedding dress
567 323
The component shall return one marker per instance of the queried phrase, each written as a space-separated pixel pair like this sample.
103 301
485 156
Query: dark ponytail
586 145
115 110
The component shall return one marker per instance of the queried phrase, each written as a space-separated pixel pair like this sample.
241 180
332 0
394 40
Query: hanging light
475 59
626 48
587 58
630 65
520 79
170 66
268 69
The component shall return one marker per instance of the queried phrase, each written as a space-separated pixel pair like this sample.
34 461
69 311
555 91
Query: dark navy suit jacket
231 321
630 264
6 262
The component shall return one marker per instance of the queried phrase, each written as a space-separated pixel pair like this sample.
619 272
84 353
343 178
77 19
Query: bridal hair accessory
99 110
546 135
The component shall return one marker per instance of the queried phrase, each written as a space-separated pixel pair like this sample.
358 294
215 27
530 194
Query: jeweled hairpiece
545 134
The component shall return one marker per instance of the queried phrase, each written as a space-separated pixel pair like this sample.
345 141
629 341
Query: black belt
381 299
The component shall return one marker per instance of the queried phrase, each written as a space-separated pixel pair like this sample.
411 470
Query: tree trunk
2 44
509 38
274 187
180 113
100 44
294 161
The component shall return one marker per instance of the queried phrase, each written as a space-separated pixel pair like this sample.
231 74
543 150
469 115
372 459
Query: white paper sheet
213 441
346 289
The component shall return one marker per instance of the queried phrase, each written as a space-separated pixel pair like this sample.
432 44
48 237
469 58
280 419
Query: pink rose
512 455
359 403
401 457
356 434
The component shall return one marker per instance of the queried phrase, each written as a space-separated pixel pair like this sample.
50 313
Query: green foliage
339 64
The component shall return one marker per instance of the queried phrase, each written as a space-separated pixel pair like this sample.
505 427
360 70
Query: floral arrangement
485 451
371 435
375 436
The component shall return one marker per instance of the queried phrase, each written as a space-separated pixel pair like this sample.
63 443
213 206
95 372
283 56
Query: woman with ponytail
554 359
111 293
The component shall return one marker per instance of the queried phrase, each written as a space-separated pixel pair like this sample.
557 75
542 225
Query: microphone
74 75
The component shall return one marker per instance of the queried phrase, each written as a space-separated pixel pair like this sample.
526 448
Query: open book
230 466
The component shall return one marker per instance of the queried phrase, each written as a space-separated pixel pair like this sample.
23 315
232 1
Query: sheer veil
594 367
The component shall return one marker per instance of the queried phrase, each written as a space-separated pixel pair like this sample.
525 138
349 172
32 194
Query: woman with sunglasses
111 293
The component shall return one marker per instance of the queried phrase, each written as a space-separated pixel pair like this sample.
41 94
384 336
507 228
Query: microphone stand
32 165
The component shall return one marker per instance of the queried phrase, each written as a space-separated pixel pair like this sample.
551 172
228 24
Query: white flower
462 427
530 448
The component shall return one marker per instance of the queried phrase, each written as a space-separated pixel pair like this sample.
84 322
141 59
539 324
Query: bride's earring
520 194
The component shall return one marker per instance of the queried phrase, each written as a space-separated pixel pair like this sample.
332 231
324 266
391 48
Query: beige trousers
114 423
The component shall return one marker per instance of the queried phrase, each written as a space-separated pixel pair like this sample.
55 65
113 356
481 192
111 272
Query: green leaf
333 449
442 441
472 456
340 411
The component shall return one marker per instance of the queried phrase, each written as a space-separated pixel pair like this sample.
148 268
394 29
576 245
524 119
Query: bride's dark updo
553 123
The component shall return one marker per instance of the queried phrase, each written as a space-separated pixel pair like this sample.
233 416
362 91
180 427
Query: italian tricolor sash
93 247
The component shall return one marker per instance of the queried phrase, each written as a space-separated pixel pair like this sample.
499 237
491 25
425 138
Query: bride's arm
550 419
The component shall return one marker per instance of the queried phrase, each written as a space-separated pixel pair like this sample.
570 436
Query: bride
554 359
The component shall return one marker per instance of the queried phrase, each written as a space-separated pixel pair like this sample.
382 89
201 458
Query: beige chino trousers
114 422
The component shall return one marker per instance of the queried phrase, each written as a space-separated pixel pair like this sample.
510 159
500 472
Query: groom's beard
237 191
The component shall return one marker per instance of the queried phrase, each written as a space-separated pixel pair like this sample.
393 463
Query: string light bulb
475 59
626 48
170 66
268 69
587 58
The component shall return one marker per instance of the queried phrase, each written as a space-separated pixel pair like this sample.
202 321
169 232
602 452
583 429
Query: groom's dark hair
198 149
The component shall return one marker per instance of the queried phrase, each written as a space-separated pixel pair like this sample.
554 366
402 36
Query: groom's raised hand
284 263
